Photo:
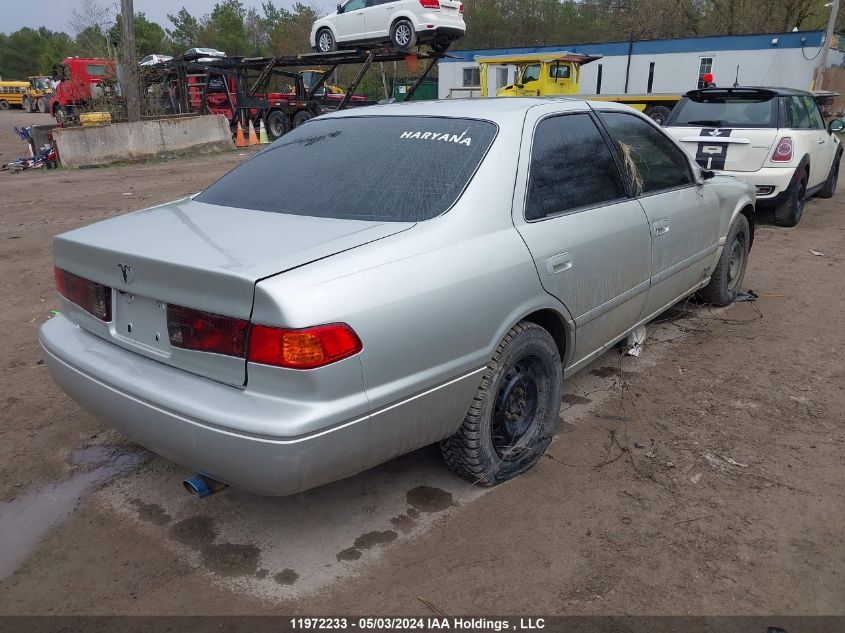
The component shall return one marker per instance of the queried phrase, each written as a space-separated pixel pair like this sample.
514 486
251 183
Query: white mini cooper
399 23
774 138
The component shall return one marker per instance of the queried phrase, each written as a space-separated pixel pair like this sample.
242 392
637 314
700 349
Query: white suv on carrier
399 23
774 138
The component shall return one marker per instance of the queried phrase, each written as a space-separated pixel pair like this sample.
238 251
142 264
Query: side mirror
339 8
836 125
707 174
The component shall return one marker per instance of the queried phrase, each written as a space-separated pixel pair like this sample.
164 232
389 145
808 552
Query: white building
671 66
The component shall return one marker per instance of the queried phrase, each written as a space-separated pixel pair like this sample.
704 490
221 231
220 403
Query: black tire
43 105
440 45
513 416
4 105
325 42
829 187
27 105
276 124
61 114
726 280
789 212
658 114
402 35
301 117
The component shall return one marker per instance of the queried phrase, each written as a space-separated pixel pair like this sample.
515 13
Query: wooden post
828 38
130 63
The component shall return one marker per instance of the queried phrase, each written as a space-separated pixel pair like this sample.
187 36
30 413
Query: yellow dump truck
559 73
38 94
12 93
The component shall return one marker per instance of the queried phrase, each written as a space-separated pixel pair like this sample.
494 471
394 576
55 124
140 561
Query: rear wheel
276 124
325 41
301 117
4 105
789 212
27 105
43 106
513 416
829 187
658 114
726 280
402 35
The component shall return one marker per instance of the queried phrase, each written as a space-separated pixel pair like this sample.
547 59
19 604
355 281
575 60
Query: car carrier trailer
240 87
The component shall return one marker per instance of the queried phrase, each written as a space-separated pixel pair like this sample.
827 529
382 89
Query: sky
55 14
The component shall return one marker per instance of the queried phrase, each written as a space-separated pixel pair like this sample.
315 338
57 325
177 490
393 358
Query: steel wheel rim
516 406
736 263
325 42
403 35
275 127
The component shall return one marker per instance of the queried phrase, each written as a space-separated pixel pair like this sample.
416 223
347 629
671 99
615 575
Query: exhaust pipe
202 486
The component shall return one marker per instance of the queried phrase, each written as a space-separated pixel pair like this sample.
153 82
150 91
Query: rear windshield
726 111
387 169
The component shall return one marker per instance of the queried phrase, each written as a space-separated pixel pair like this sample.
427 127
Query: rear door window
652 161
380 168
571 167
726 110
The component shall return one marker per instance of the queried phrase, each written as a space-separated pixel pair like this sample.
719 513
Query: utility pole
130 64
828 39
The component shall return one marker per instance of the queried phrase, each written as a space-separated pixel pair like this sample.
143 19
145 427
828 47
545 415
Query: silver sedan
387 278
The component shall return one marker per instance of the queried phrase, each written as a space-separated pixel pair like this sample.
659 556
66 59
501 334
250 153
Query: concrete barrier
121 142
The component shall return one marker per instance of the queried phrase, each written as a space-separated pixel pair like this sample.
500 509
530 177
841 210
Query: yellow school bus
12 93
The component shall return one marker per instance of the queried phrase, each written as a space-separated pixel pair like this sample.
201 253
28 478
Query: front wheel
27 105
512 418
829 187
726 280
402 35
325 42
4 105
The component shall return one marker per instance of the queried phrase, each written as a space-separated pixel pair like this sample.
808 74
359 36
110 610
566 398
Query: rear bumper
162 408
772 183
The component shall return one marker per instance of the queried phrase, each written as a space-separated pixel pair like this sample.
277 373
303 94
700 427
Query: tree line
230 26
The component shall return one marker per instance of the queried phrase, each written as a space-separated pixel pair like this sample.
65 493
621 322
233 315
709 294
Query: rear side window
726 110
816 120
652 161
96 70
571 167
799 118
380 168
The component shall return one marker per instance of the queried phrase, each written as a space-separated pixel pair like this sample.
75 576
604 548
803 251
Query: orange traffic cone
253 139
239 137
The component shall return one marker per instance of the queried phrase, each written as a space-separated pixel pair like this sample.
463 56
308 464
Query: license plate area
141 321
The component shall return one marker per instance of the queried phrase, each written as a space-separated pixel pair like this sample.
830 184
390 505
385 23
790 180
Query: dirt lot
706 477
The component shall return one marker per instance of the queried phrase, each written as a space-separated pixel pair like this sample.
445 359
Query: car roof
739 90
496 109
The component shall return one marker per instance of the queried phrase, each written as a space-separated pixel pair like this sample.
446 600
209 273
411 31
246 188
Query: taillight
92 297
430 4
302 349
461 8
206 332
783 150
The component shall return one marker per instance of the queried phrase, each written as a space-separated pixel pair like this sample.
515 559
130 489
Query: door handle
821 141
558 263
661 227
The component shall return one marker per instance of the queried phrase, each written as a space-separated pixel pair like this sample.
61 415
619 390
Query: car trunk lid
730 149
201 256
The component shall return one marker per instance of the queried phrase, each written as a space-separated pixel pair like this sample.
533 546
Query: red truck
81 79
